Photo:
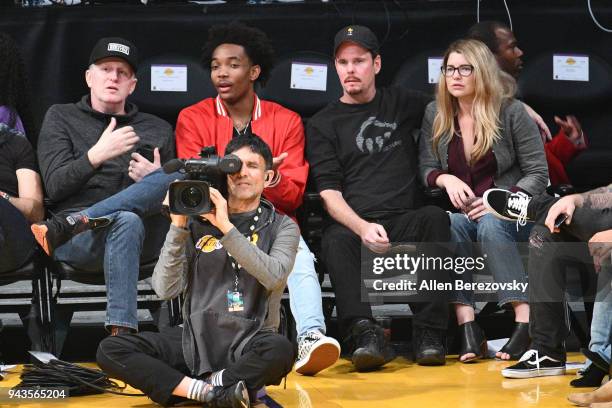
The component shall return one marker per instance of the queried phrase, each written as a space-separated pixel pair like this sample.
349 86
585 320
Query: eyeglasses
464 70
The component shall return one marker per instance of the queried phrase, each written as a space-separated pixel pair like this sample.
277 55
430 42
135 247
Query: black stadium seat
538 87
414 73
32 303
590 101
165 104
305 102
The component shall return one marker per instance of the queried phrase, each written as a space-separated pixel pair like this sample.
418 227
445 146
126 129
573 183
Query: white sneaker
316 352
533 365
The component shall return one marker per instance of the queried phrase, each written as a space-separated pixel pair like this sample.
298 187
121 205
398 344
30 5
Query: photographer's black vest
214 337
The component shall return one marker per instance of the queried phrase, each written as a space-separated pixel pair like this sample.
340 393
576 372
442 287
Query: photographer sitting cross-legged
233 270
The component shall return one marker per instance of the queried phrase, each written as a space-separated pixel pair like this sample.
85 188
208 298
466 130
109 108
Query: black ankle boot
429 346
56 231
370 349
591 377
519 341
473 341
597 360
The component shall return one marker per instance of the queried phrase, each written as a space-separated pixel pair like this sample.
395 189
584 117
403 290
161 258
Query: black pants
547 255
341 252
17 243
154 362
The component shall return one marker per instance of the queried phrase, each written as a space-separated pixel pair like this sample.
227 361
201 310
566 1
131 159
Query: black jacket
69 131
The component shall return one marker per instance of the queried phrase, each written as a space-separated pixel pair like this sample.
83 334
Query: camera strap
235 298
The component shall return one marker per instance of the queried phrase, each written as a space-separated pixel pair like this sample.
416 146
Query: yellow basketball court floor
400 384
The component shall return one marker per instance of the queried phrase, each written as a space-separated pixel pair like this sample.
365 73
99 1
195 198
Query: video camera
192 195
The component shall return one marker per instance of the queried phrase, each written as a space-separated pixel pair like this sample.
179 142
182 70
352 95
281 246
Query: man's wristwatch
5 195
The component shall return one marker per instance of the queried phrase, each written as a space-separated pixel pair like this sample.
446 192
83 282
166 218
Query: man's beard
354 91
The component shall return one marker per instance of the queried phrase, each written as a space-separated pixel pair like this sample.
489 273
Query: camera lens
191 197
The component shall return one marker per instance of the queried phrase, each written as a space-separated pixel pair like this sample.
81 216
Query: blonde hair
491 89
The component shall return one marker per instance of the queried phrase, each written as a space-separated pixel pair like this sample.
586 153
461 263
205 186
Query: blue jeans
142 198
601 325
115 249
497 239
119 248
305 292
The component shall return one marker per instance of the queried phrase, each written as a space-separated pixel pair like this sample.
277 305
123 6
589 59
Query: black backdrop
56 41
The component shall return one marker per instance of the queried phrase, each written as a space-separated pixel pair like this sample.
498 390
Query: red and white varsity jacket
207 123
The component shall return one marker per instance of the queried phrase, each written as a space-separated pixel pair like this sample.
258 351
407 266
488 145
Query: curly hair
255 42
14 84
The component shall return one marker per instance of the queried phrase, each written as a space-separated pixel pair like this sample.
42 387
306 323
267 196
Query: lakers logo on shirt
208 243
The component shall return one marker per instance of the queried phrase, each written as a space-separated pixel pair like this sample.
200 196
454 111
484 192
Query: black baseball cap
359 35
115 47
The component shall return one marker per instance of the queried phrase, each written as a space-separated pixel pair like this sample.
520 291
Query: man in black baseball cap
357 34
90 152
357 63
115 47
363 159
111 75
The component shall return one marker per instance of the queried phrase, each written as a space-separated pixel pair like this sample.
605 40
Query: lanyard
235 265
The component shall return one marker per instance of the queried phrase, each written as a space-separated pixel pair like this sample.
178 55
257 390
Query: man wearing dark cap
364 163
87 154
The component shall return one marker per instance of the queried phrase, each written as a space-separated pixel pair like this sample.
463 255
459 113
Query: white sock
216 378
198 389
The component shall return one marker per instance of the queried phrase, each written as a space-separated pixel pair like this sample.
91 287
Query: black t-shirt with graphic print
368 151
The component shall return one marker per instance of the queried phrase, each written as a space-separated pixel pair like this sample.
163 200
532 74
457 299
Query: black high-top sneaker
56 231
429 346
233 396
370 348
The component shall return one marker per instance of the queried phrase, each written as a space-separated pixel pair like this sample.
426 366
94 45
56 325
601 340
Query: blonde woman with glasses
475 136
